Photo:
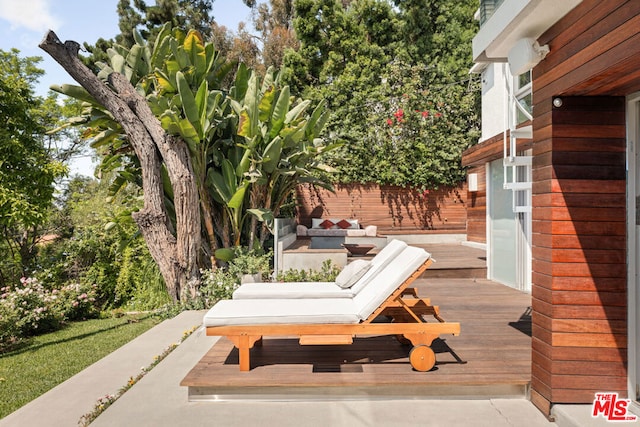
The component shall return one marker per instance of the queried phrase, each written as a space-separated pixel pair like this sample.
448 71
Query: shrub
217 285
34 306
220 283
76 301
248 261
327 273
30 309
9 331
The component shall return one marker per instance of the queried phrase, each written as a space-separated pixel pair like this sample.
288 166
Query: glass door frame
633 249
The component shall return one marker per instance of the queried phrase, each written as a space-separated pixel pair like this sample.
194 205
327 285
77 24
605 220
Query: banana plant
179 75
281 144
230 192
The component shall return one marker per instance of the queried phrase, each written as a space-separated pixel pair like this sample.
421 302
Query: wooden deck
490 358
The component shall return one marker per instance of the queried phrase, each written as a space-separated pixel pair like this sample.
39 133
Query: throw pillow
344 224
326 224
352 273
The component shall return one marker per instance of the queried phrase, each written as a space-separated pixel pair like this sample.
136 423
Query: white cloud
32 14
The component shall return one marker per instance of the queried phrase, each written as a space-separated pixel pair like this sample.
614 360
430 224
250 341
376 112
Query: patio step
455 261
346 393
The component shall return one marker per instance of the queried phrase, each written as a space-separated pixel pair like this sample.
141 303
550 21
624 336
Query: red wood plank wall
391 208
579 237
579 251
477 208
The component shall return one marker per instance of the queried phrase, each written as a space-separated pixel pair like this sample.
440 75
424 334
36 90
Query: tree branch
176 255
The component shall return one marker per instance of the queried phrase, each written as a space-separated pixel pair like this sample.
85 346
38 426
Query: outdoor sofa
335 227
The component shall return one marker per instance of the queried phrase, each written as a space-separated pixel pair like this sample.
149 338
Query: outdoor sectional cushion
368 231
281 311
352 272
321 223
321 289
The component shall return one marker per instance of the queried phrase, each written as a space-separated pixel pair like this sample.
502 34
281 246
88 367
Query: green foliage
327 273
219 283
29 309
246 261
27 172
101 245
27 167
249 145
140 286
216 285
370 60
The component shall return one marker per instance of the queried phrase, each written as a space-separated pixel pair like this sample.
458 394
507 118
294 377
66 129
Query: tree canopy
396 78
203 155
27 167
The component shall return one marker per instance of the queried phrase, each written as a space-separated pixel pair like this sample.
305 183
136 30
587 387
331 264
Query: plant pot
358 249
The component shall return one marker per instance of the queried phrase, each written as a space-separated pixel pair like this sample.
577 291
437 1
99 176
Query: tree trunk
175 251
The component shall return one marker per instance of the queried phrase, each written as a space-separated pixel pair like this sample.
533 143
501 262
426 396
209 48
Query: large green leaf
266 102
251 103
280 111
189 105
195 50
271 156
202 97
313 119
296 111
241 83
237 200
77 92
229 175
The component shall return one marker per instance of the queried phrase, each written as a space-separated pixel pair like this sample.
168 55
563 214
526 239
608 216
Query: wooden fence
390 208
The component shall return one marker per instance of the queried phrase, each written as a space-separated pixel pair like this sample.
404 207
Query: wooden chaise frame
406 323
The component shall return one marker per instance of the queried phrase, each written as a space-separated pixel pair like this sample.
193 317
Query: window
524 97
487 9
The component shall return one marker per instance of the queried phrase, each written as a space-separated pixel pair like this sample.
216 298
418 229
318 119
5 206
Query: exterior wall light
557 102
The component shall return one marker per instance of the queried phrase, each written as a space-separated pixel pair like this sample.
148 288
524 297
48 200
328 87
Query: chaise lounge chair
347 285
337 320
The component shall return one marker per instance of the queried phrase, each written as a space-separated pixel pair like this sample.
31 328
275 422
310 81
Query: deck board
492 355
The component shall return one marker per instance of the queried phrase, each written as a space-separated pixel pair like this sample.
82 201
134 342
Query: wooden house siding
579 292
390 208
475 158
477 208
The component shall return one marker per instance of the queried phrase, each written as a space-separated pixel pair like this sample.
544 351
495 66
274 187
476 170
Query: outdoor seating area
376 288
467 365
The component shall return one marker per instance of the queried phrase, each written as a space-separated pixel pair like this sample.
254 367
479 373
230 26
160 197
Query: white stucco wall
493 100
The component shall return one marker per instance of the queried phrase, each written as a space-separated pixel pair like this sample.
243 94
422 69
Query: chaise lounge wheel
422 358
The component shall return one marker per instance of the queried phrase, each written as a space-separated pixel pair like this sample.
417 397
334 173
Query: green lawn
50 359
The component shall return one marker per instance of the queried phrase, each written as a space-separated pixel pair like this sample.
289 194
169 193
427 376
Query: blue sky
23 24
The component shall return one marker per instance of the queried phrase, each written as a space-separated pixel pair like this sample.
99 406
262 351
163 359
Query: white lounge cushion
352 272
387 280
281 311
321 289
291 290
379 262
